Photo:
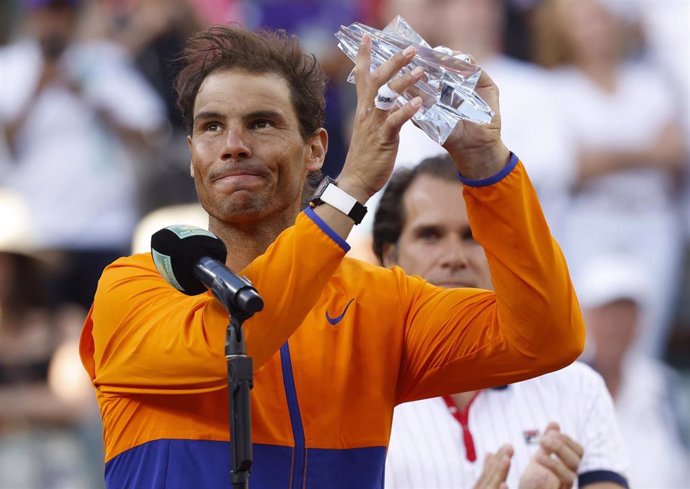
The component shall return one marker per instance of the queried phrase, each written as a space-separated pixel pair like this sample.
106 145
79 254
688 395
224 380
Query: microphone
192 259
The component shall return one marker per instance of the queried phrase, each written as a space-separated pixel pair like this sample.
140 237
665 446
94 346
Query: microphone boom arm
237 294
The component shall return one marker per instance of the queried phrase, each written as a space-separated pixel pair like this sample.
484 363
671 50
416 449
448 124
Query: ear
390 255
317 147
191 164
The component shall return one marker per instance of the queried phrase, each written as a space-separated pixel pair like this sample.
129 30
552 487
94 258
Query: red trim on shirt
462 417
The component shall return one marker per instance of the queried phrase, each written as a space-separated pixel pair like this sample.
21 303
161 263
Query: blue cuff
327 229
601 476
512 162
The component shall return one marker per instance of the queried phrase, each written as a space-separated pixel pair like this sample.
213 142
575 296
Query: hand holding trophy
447 90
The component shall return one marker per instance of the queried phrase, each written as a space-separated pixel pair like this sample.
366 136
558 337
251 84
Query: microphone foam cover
176 250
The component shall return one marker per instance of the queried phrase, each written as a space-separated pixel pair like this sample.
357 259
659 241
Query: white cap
609 278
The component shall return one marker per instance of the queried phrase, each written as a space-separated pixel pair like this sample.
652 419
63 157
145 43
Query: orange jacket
323 393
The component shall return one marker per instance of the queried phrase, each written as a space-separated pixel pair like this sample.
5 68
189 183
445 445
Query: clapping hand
495 471
555 464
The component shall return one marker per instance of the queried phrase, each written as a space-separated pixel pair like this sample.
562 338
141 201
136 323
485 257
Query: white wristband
329 193
339 199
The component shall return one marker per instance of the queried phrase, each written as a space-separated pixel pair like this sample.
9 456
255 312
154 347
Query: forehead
431 200
235 90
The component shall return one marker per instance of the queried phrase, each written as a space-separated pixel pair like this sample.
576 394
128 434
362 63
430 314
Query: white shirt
650 428
627 119
427 450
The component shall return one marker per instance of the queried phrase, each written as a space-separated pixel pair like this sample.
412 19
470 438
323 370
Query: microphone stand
241 300
240 382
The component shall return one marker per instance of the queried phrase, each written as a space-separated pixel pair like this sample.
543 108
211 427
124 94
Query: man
339 342
440 443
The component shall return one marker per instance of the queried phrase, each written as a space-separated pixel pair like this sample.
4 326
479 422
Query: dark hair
221 48
389 219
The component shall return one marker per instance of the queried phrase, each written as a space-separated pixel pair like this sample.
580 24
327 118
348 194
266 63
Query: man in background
422 227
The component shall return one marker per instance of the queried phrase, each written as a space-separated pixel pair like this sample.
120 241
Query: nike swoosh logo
337 319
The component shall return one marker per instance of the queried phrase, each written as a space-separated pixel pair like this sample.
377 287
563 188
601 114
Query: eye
428 235
262 124
212 127
467 235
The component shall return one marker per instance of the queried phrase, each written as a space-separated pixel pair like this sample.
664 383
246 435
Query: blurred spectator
530 126
73 112
631 152
154 32
45 402
664 27
646 392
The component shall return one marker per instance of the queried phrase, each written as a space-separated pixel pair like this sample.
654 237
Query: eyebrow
265 114
259 114
427 227
208 115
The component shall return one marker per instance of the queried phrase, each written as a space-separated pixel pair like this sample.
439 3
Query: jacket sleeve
143 336
464 339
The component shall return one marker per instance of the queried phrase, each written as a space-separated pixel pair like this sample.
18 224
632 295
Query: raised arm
460 340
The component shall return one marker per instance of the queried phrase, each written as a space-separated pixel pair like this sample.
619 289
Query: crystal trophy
447 91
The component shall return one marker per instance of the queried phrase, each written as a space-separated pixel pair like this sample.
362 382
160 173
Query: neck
246 241
462 400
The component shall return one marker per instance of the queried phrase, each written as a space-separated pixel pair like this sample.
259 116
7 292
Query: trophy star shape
447 91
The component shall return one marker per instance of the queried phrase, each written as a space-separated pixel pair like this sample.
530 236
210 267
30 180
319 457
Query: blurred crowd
595 98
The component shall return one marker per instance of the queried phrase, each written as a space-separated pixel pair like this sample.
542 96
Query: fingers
485 81
560 454
362 64
563 446
368 83
407 80
487 89
390 68
495 471
565 475
397 118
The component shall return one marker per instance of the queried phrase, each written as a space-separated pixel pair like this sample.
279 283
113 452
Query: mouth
238 176
234 174
234 177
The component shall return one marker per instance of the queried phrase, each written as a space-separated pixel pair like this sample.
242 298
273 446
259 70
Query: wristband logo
335 320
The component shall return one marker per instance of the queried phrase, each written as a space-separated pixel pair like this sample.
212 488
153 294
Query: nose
236 146
454 254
